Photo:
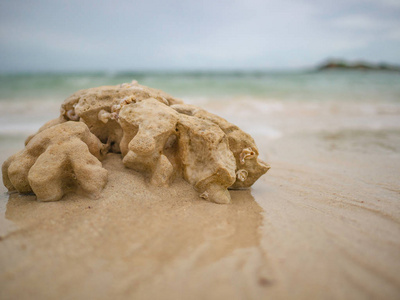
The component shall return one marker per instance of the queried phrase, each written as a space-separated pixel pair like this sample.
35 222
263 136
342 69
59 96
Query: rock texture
156 134
59 159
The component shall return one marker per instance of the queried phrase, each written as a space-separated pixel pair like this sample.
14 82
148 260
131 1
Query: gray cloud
253 34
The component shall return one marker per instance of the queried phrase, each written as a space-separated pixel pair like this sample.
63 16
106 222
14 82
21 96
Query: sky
95 35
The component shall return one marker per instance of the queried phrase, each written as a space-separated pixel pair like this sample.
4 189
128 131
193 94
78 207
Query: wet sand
323 223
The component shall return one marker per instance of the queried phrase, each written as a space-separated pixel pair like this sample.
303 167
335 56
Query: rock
248 167
147 126
85 105
57 160
156 134
207 162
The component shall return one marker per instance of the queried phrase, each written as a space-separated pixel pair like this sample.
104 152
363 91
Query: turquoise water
27 101
281 86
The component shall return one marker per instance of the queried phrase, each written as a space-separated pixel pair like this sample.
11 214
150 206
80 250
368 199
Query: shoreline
324 221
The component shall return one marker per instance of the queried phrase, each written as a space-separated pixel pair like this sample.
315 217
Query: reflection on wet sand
134 240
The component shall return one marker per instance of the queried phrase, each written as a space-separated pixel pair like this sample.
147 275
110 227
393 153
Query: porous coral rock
57 160
147 125
207 162
85 105
156 134
241 144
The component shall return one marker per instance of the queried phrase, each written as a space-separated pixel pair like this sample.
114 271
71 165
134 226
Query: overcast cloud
185 35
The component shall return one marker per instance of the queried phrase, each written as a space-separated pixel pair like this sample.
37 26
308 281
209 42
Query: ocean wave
283 86
19 128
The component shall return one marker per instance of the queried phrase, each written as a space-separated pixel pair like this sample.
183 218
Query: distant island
360 65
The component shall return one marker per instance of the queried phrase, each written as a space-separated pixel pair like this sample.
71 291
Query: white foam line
12 129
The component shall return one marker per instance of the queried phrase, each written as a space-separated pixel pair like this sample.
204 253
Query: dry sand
323 223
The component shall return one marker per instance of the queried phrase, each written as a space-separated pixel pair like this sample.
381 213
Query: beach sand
323 223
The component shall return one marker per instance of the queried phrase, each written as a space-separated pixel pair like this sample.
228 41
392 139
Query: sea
27 101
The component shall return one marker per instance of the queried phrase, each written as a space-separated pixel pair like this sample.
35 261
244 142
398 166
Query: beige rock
48 124
58 160
207 162
248 166
157 135
92 105
147 126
